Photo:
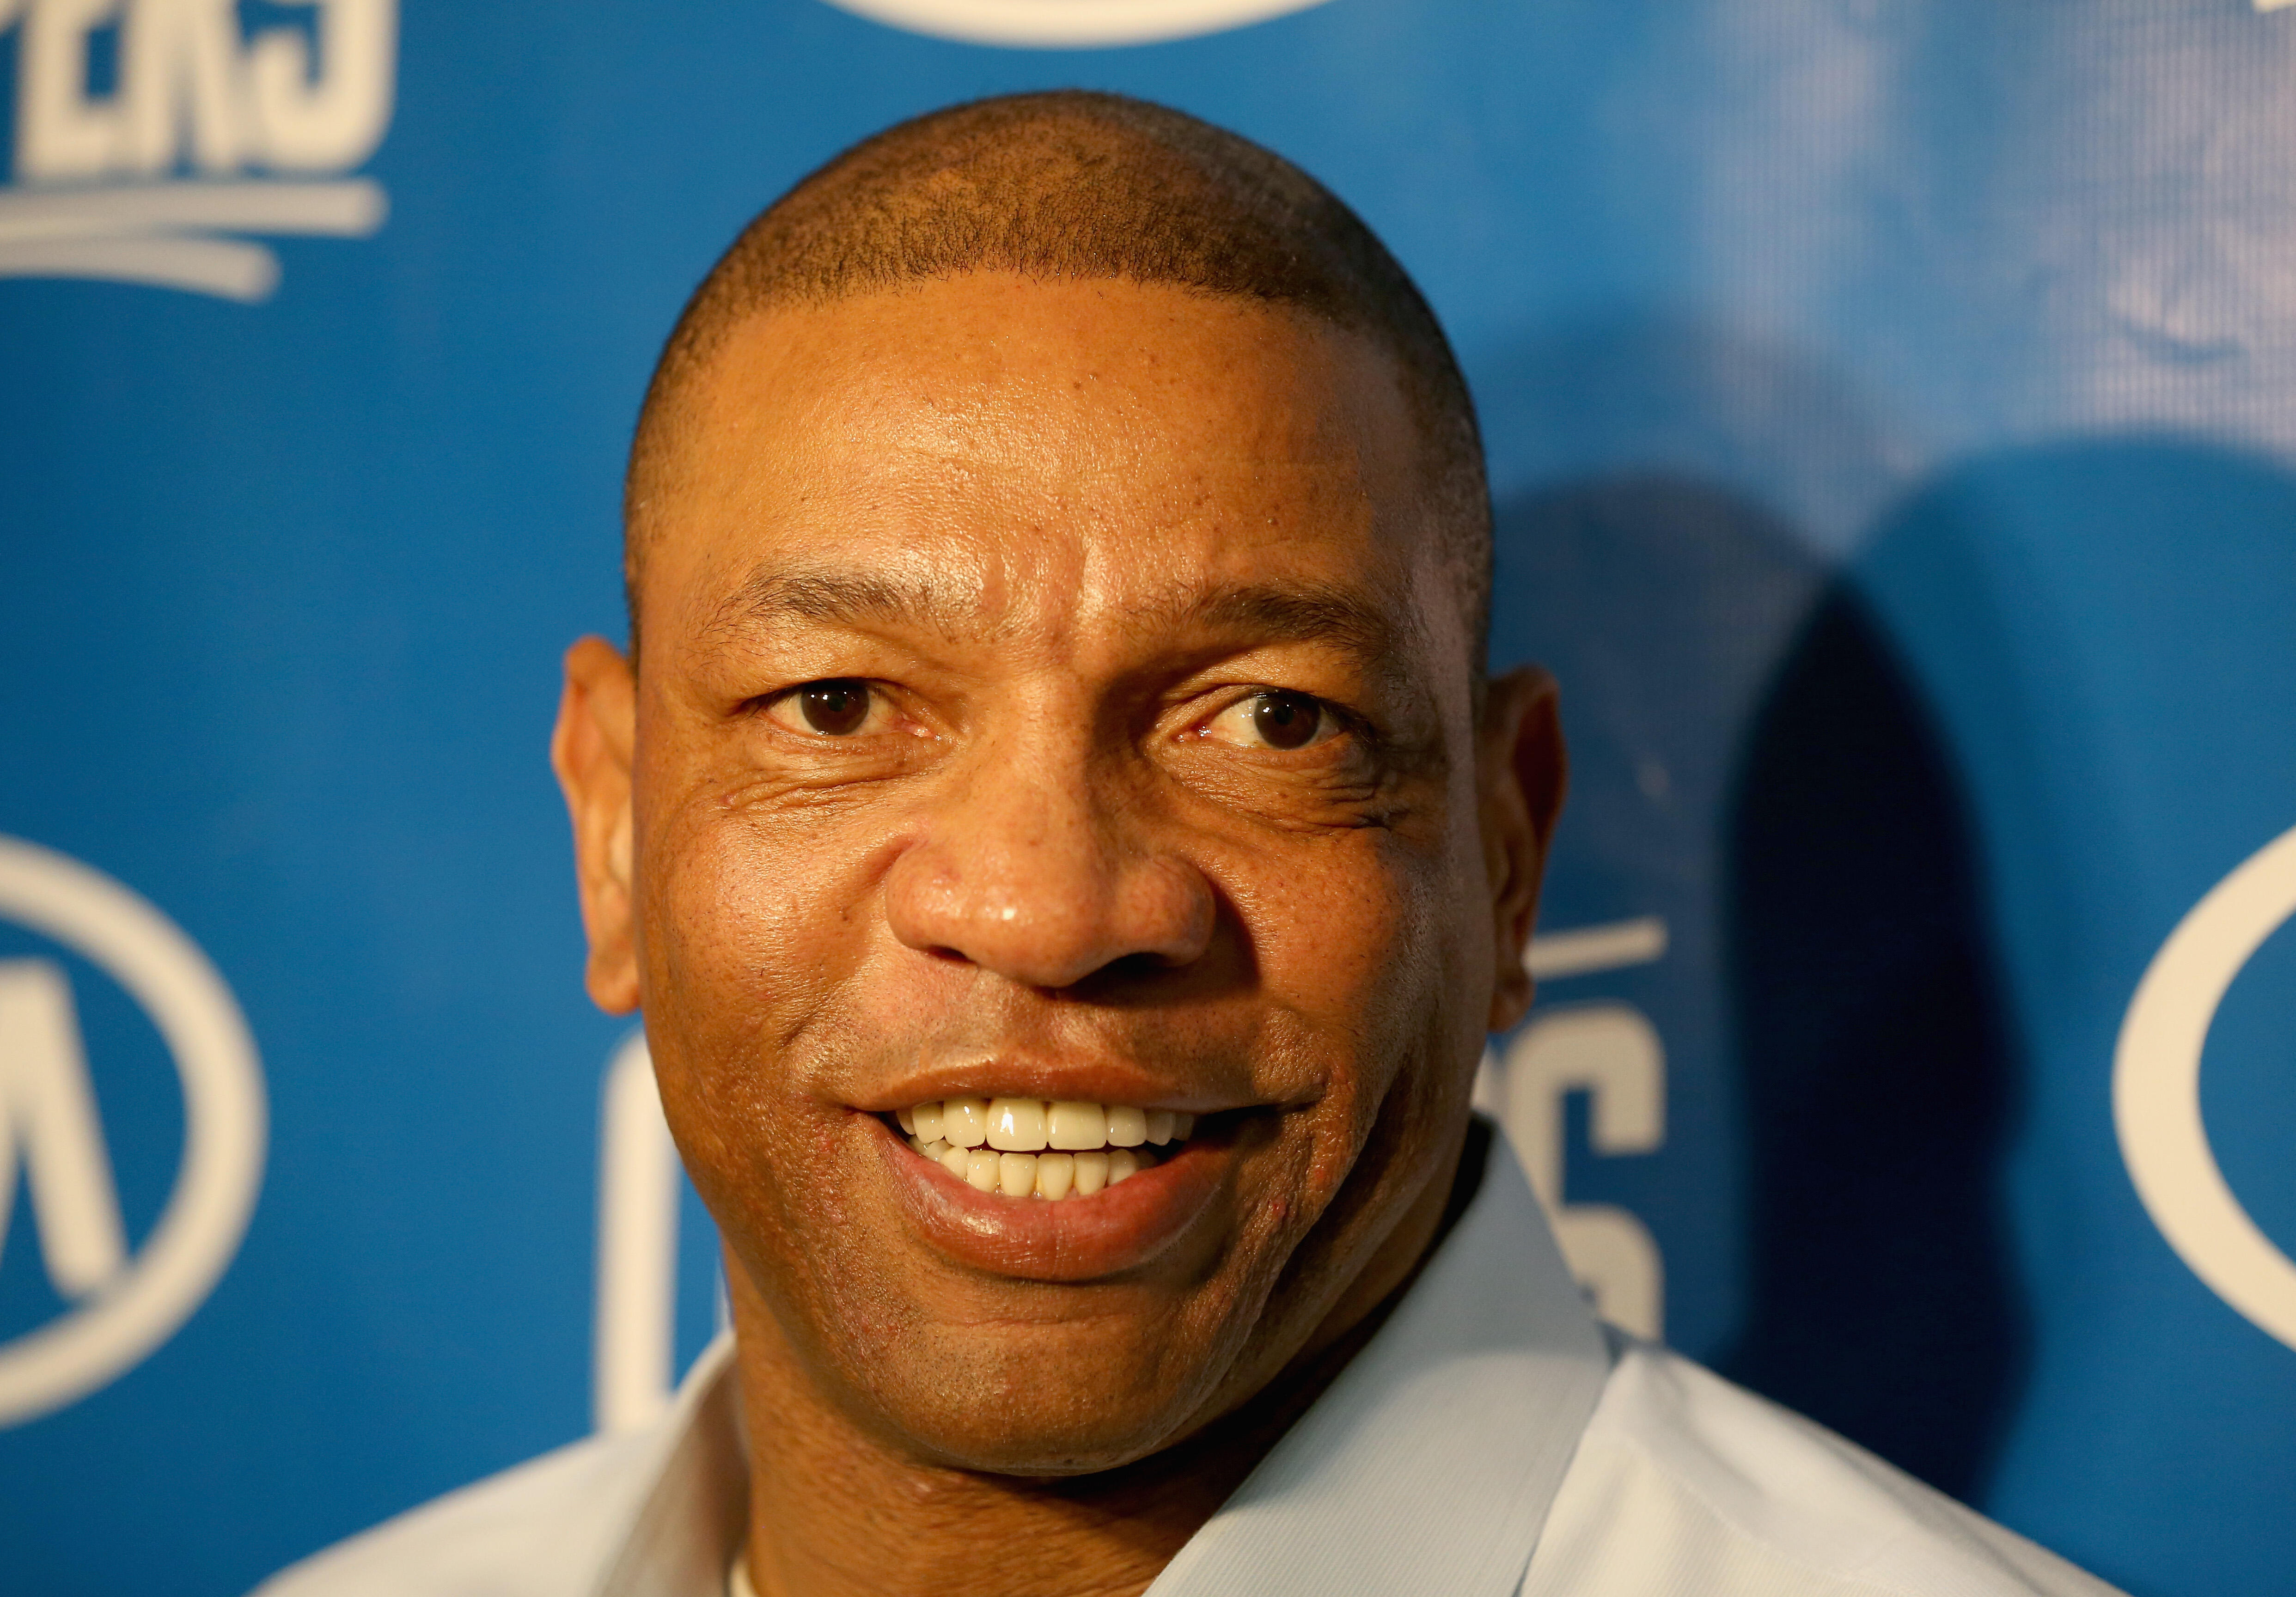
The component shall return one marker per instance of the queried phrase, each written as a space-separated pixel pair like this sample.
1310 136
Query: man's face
1054 693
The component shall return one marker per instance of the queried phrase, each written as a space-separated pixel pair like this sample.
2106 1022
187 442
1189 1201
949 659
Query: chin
1045 1446
1039 1412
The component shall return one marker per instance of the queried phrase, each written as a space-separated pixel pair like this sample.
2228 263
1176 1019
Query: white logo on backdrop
151 132
2156 1089
1056 24
122 1307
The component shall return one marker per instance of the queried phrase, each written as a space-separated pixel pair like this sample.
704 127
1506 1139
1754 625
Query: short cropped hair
1078 185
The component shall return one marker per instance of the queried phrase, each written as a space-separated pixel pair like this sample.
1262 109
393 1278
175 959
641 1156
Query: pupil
834 708
1286 720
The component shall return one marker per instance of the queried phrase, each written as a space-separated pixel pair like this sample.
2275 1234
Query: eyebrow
1287 613
1266 612
847 598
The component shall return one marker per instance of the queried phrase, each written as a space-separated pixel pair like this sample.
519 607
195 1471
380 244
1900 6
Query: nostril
1136 967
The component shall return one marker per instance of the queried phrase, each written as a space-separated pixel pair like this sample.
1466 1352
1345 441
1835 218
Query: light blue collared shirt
1490 1439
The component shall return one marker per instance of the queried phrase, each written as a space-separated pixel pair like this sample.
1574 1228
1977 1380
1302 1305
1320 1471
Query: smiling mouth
1027 1148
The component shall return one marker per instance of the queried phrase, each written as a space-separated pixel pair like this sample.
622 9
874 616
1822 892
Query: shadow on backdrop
1748 758
1662 605
1878 1068
1750 762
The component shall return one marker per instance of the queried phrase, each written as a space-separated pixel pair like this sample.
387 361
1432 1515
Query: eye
1273 719
829 709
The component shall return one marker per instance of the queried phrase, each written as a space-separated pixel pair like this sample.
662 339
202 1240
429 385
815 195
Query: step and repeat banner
1892 413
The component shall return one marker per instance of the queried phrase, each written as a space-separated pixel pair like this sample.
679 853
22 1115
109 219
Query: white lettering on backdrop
151 132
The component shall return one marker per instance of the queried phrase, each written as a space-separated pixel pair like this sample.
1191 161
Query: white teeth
965 1122
1052 1176
996 1144
1016 1125
1076 1127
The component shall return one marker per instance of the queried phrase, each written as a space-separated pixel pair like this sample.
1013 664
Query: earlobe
592 750
1523 772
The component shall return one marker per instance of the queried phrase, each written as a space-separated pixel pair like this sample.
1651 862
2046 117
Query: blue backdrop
1892 411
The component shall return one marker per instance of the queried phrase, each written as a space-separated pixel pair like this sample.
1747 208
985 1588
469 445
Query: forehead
1059 448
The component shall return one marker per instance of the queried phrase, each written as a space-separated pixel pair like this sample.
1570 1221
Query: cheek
750 924
1348 935
1354 945
744 960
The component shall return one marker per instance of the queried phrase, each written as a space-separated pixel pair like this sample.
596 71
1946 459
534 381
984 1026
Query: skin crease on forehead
1058 527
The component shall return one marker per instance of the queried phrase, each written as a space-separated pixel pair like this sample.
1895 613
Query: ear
591 750
1522 772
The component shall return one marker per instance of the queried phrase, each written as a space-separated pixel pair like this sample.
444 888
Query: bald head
1068 186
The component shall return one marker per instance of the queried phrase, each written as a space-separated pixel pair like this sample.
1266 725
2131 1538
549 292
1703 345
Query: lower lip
1119 1228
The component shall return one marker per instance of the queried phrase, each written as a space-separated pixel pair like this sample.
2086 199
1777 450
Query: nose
1028 870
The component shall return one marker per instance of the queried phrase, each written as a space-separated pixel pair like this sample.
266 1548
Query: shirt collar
690 1518
1428 1466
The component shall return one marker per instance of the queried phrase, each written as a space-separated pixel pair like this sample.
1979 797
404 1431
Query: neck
833 1512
